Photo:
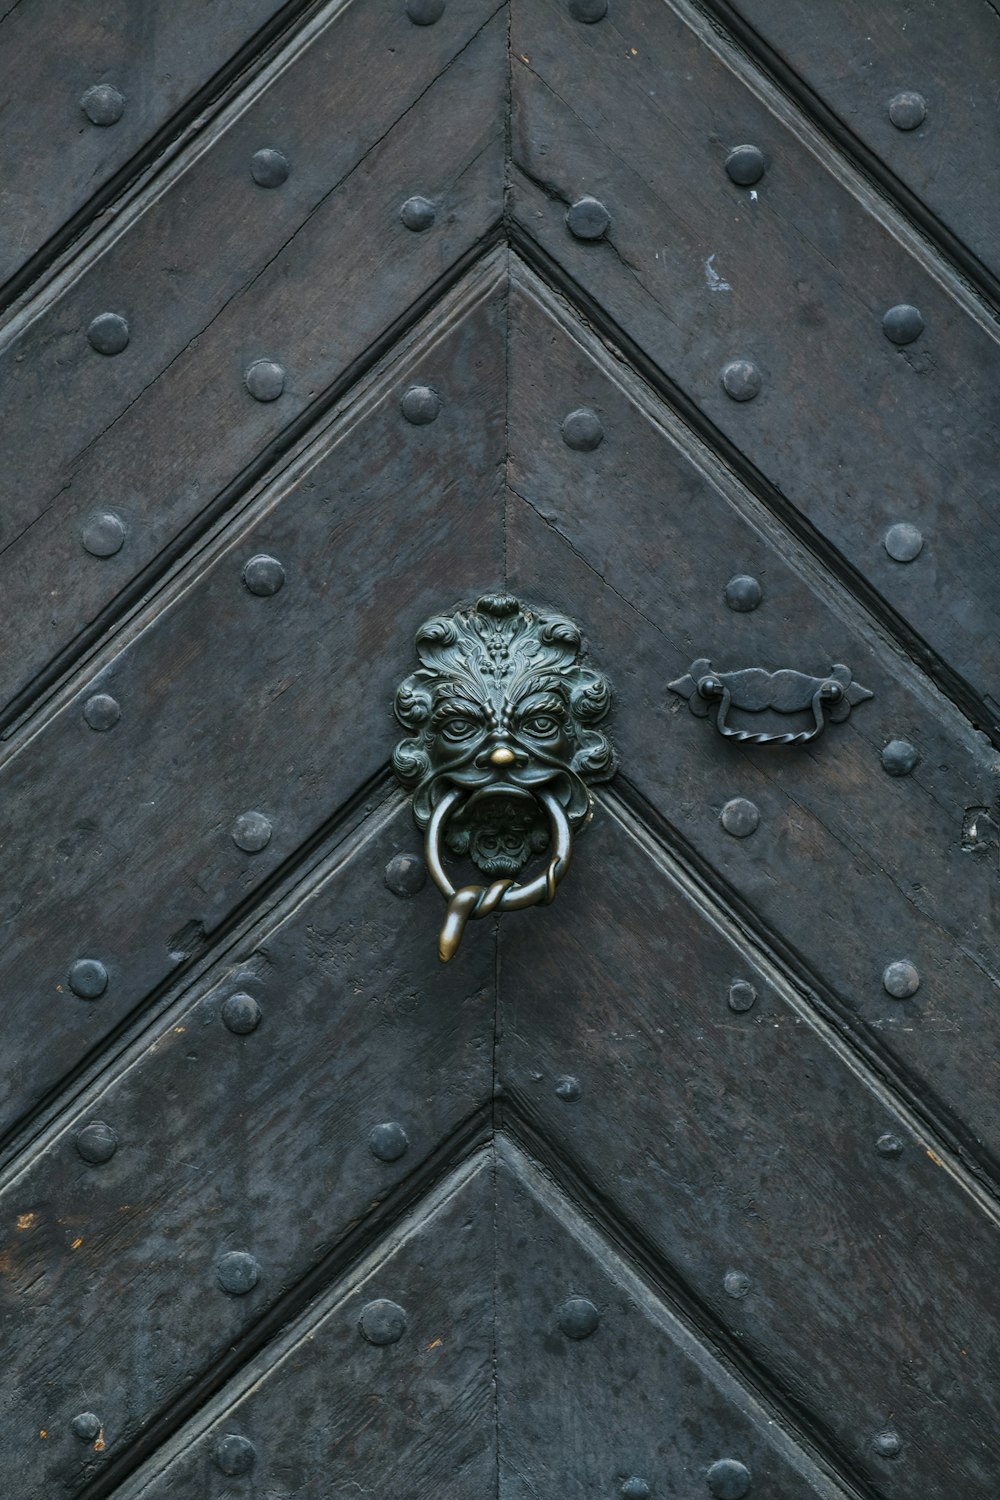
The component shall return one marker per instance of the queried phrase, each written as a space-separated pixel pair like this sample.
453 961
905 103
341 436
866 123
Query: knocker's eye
458 729
541 725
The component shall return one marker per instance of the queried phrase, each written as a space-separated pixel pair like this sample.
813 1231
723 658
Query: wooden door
675 319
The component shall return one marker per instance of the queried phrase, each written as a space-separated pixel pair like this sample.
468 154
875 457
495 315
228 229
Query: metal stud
86 1425
588 219
582 430
103 534
902 324
899 758
903 542
588 11
108 333
889 1145
745 165
406 874
635 1489
234 1454
568 1089
887 1444
424 12
88 978
740 817
420 405
265 379
901 979
101 712
741 380
240 1013
736 1284
743 593
907 110
728 1479
387 1141
251 832
263 575
382 1322
103 104
418 214
238 1273
742 995
578 1318
269 168
96 1142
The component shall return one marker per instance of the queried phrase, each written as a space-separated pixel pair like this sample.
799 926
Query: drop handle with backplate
503 716
753 690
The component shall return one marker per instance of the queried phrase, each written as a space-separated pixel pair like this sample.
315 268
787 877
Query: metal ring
515 897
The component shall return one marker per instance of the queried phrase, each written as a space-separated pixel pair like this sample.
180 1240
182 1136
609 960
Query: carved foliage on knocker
504 716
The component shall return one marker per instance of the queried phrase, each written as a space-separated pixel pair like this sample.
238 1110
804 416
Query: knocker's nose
502 756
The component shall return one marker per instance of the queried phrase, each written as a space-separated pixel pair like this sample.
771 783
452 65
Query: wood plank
331 1413
52 53
232 702
859 59
637 1398
855 1277
637 540
254 1142
850 433
158 432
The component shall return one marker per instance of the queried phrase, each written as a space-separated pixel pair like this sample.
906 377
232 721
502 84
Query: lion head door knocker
503 715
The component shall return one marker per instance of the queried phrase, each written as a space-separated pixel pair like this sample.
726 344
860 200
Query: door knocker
503 714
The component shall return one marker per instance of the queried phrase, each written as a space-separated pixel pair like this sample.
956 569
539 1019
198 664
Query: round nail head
424 12
406 874
588 219
265 379
582 430
901 979
887 1444
588 11
382 1322
889 1145
568 1089
234 1454
578 1318
269 168
103 534
740 818
103 104
238 1273
251 832
741 380
736 1284
745 165
899 758
101 712
742 995
902 324
263 575
108 333
387 1141
86 1426
635 1489
96 1142
240 1013
728 1479
907 110
903 542
743 593
418 214
420 405
88 978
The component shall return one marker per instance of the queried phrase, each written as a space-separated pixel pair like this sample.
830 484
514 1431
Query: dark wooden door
685 1184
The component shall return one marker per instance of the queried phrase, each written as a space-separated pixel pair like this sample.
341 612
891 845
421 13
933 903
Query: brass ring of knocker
473 901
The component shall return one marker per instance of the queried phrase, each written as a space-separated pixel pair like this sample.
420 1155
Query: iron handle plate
828 699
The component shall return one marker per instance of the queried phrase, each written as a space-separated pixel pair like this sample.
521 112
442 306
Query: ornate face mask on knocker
503 715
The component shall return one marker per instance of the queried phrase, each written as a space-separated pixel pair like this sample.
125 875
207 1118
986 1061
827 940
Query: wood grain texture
330 1413
740 1142
857 59
253 1142
851 432
231 702
218 273
637 540
52 52
639 1398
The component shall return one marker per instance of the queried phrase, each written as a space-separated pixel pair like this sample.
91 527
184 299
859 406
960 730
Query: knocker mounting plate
503 714
753 690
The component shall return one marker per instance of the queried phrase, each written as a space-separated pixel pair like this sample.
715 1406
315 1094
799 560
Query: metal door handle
753 690
503 715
